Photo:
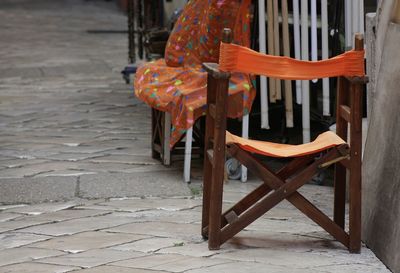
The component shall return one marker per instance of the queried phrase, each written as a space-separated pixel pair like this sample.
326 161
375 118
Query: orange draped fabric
177 83
235 58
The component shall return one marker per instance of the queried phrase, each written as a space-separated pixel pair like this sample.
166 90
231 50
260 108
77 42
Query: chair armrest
213 70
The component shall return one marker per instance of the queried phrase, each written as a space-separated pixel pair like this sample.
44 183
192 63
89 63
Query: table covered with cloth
177 83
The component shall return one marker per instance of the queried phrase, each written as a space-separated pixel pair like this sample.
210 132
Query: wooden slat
355 166
339 205
282 191
211 110
345 163
210 154
345 112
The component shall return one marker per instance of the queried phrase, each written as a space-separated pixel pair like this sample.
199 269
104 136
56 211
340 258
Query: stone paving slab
33 190
37 268
70 127
73 226
170 262
91 258
18 255
117 269
162 235
88 240
17 239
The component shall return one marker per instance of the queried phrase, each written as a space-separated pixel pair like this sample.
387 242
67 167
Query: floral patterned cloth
177 83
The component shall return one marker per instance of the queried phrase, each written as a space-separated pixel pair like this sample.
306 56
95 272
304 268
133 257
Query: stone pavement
163 235
69 125
70 129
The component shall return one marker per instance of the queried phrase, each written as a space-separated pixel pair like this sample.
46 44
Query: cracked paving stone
6 207
276 257
36 268
167 204
73 157
117 269
20 224
169 262
64 173
45 207
182 216
188 232
24 254
89 240
8 216
77 225
66 214
127 159
240 267
148 245
16 239
347 267
194 250
92 258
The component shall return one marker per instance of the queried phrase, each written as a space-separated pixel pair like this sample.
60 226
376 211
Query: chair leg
355 191
245 134
167 136
206 196
339 195
188 155
215 204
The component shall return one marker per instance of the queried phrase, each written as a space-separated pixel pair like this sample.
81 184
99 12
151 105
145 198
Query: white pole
188 155
296 30
314 38
167 137
325 55
277 46
271 45
286 52
305 84
356 18
361 23
245 134
263 80
348 23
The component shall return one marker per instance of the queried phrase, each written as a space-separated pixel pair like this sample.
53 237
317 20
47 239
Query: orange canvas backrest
197 33
235 58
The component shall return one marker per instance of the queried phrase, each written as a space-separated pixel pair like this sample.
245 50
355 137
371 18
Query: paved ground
163 235
70 130
69 125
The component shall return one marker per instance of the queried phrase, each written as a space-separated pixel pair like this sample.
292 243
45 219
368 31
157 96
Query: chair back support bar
219 227
217 105
349 115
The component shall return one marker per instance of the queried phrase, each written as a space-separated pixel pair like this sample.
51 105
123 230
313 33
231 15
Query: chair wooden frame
283 184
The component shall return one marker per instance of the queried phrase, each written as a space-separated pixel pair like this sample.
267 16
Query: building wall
381 172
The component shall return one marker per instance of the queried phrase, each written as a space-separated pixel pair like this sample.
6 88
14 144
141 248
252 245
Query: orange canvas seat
304 161
323 142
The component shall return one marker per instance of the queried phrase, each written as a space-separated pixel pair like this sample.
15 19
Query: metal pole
131 32
297 54
325 55
305 84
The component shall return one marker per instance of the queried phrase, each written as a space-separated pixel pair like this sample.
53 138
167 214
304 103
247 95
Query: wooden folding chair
307 160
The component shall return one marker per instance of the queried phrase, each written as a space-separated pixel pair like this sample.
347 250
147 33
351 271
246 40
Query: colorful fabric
177 83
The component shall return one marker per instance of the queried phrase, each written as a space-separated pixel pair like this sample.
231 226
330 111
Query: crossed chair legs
277 186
